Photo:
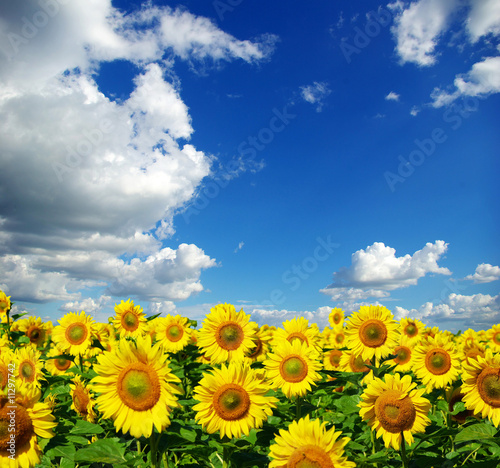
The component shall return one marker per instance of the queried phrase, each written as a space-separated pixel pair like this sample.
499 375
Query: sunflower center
229 336
3 305
488 386
293 369
81 400
373 333
358 365
297 336
130 322
411 330
139 387
438 361
76 333
35 334
403 355
310 456
19 418
335 357
337 318
231 402
473 353
339 338
257 349
395 412
62 364
496 338
27 371
174 333
4 376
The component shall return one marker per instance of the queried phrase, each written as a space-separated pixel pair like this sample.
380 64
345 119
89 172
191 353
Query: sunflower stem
298 407
404 458
153 449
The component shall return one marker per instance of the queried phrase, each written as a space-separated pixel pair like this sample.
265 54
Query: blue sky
286 160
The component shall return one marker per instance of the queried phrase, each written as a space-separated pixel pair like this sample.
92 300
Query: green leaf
102 451
188 434
86 428
476 432
348 404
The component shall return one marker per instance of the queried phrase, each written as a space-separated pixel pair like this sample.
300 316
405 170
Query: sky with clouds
286 160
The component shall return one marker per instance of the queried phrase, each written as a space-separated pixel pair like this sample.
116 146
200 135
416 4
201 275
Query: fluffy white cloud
478 311
482 80
89 185
485 273
483 19
417 28
376 270
392 96
276 317
315 94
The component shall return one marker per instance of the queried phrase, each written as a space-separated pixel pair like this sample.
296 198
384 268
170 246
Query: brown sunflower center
339 338
297 336
174 332
337 318
438 361
373 333
76 333
488 386
257 350
335 356
403 354
310 456
293 368
357 364
35 334
27 371
80 399
496 338
139 386
411 330
395 412
231 402
62 364
229 336
3 305
14 416
130 321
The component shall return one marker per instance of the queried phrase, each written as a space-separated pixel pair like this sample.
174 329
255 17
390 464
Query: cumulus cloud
483 19
90 186
485 273
392 96
315 94
417 28
478 311
376 270
276 317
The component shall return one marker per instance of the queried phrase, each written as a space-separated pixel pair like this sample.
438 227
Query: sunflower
5 360
436 362
472 352
394 408
33 328
5 303
307 443
331 359
404 354
293 367
413 329
28 365
83 402
232 400
136 387
336 317
173 333
337 337
74 334
454 396
468 339
297 329
32 418
56 363
262 345
351 362
226 334
493 338
130 320
481 386
372 332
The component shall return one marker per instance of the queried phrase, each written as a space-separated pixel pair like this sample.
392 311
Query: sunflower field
137 391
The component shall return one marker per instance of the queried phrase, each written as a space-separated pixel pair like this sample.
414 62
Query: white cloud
376 270
418 28
483 19
90 186
481 81
485 273
478 311
392 96
315 94
276 317
240 246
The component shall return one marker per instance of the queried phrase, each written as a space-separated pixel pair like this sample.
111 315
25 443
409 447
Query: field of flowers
367 391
